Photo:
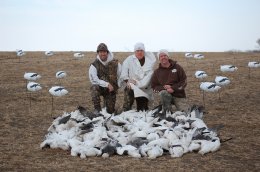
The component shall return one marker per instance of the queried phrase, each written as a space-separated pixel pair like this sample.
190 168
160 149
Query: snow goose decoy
200 74
188 55
30 76
20 53
78 55
61 74
198 56
33 87
49 53
56 91
209 87
222 81
252 65
228 68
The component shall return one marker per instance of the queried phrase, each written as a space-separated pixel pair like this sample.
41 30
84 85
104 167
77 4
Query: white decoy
49 53
222 81
253 64
58 91
78 55
20 53
31 76
188 55
228 68
18 50
61 74
33 86
200 74
209 86
198 56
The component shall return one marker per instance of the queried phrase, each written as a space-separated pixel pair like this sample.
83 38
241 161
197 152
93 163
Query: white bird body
58 91
119 119
30 76
208 146
209 86
200 74
56 140
222 81
131 151
123 140
139 133
154 152
176 151
228 68
33 86
152 136
162 142
78 55
143 150
194 146
188 55
49 53
253 64
198 56
20 53
198 123
170 135
18 50
70 131
89 151
61 74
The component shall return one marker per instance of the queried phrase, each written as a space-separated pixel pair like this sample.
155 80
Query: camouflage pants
109 98
167 100
141 102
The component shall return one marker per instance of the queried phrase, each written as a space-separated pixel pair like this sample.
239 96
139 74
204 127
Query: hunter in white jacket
137 70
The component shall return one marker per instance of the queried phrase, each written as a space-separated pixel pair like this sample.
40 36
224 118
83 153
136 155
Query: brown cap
102 47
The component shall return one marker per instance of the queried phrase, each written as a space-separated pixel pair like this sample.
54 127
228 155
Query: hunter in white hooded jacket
132 70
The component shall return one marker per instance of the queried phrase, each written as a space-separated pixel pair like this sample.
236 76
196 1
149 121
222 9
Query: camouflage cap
102 47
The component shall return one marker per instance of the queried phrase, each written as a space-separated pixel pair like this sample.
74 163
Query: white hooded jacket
132 69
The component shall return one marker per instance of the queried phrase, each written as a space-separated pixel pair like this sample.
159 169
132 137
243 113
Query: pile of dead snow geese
136 134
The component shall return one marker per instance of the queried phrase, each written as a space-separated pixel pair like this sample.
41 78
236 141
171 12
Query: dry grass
23 128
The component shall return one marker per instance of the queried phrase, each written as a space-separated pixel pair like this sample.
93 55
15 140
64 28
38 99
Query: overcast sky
176 25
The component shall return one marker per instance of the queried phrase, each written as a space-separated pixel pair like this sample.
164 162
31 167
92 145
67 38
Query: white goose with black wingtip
33 86
209 87
199 74
228 68
222 81
60 74
31 76
58 91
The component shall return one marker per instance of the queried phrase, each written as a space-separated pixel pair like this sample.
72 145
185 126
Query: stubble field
25 117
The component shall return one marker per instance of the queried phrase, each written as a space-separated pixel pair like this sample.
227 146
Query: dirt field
26 117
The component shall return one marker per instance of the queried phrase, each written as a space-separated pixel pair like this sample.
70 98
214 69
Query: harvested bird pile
137 134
